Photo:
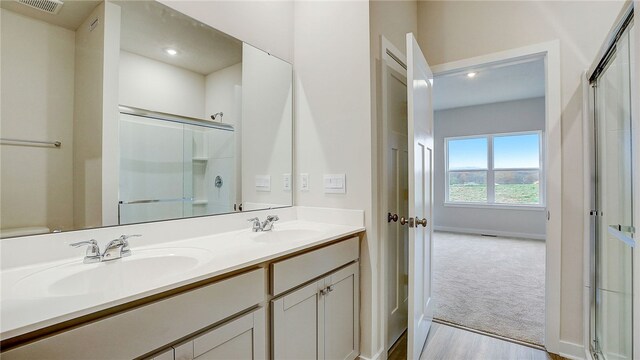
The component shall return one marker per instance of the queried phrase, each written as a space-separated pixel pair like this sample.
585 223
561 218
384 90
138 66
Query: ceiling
149 28
71 16
495 83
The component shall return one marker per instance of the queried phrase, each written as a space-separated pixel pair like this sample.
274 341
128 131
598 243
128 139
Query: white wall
224 93
157 86
87 123
220 87
37 75
267 25
110 113
511 116
267 110
454 30
333 121
95 122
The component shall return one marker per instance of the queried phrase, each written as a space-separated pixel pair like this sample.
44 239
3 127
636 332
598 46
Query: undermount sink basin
149 267
283 234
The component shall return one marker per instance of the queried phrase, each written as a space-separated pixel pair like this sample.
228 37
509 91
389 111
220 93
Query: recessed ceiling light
170 51
471 75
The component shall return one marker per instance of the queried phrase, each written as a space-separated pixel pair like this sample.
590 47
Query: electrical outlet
286 182
304 182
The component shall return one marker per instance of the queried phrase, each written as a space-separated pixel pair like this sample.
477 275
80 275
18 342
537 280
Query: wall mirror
120 112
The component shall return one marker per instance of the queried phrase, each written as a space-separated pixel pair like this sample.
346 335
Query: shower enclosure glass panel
614 238
171 170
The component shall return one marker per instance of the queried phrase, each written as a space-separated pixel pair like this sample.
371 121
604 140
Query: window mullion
491 191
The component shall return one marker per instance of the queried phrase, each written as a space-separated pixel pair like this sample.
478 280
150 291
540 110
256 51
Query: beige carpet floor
490 284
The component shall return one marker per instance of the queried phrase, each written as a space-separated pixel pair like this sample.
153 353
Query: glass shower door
614 231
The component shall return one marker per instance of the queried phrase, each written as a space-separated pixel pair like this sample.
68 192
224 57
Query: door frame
550 51
390 56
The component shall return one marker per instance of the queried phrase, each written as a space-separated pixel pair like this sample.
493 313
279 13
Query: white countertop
25 309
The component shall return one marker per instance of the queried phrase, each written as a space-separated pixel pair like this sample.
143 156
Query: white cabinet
165 355
134 333
242 338
319 320
341 314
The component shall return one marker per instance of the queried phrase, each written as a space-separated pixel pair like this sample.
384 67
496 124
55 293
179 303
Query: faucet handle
273 217
93 249
255 224
124 237
125 244
81 243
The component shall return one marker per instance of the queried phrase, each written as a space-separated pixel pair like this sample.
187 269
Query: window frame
490 172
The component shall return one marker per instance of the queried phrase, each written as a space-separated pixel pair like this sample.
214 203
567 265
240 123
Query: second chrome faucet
115 249
266 225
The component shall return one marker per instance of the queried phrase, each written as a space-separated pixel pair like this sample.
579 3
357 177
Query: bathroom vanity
292 292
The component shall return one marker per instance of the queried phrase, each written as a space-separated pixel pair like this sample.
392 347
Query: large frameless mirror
120 112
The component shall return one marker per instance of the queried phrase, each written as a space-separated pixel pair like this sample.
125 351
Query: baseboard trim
571 350
489 232
377 356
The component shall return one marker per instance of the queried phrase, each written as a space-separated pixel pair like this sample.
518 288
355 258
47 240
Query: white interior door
420 132
397 235
396 202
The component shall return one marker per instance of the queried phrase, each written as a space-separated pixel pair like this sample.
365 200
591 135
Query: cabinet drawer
136 332
289 273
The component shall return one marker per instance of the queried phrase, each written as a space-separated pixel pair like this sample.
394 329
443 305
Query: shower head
213 117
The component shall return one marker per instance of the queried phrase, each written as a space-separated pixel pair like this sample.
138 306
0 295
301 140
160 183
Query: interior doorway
489 250
507 185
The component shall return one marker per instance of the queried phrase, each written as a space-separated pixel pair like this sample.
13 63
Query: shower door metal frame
606 53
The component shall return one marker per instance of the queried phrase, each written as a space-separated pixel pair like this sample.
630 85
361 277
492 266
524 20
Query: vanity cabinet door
242 338
297 325
166 355
341 314
321 320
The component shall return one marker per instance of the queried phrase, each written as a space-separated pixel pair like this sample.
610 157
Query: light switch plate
263 182
304 182
286 182
335 183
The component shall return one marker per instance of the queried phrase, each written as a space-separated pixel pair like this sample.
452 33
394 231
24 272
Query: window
498 169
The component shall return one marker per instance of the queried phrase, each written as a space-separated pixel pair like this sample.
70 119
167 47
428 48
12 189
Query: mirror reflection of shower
214 116
183 175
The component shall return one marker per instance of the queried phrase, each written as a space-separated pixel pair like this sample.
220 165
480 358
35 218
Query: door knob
422 222
391 218
403 221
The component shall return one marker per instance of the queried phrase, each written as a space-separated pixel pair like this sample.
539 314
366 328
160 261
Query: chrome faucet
115 249
93 251
255 224
267 225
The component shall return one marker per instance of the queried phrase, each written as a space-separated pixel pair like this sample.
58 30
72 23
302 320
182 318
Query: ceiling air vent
50 6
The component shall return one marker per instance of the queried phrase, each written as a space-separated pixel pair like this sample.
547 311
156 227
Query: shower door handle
620 232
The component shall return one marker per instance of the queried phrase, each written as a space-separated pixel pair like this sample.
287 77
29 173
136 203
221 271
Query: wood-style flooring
451 343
